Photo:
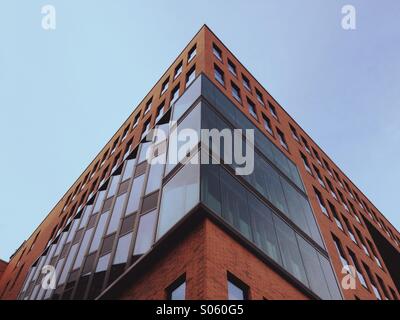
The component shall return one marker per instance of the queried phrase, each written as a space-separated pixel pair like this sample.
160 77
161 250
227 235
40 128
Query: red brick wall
205 255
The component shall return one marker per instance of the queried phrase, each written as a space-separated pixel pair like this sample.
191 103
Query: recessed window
136 121
272 109
306 146
232 68
362 240
321 202
340 251
148 106
282 139
177 291
246 82
125 133
252 108
294 133
373 282
160 111
336 216
267 124
219 75
350 230
358 268
174 94
319 176
165 86
192 53
260 97
217 52
146 129
190 76
305 162
237 290
236 92
178 70
317 156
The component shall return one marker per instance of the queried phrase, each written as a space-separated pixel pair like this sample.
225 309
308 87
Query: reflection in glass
116 214
83 248
134 197
145 234
155 174
121 254
179 195
99 232
290 250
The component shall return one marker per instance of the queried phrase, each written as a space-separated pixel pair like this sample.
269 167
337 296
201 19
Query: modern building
130 229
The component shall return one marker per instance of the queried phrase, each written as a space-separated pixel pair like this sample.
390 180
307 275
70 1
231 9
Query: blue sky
63 93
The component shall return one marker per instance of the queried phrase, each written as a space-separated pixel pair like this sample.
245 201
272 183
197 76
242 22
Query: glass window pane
143 151
234 204
313 268
145 234
99 201
330 278
155 174
116 214
122 252
129 167
290 250
264 229
234 292
134 197
179 196
103 263
179 293
210 187
83 248
187 99
113 186
99 232
68 264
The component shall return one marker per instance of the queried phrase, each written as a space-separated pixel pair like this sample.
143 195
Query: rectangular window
177 291
378 262
350 230
148 106
358 268
328 168
145 233
362 240
340 251
219 75
125 133
336 216
146 128
232 68
383 287
164 86
321 202
236 92
294 133
246 82
237 290
282 139
174 94
260 97
160 112
252 108
217 52
178 70
319 177
373 283
267 124
192 53
331 188
136 121
305 162
272 109
316 154
306 146
190 76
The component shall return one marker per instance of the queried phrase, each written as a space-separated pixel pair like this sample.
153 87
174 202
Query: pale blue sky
64 93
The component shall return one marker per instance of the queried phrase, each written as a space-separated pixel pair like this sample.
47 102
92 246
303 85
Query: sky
64 92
